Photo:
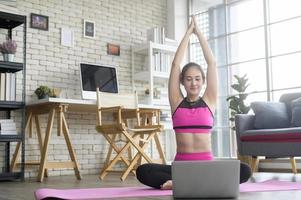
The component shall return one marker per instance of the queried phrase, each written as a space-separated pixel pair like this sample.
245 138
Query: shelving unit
151 76
146 75
10 21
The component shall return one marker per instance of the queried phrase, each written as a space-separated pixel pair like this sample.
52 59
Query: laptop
206 179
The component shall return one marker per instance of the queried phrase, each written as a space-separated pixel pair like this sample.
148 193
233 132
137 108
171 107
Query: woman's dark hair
188 66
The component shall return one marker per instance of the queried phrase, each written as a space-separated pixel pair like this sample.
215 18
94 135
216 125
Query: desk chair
122 138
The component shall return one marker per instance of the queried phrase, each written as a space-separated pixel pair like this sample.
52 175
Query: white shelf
143 48
150 78
163 102
164 75
162 107
144 76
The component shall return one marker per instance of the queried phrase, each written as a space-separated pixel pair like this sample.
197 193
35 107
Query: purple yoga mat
100 193
270 185
119 192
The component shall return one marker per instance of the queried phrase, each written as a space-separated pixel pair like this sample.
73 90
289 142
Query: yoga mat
119 192
270 185
100 193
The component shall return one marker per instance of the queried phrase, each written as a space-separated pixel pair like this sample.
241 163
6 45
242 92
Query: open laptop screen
93 76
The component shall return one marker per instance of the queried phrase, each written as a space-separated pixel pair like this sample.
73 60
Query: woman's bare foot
167 185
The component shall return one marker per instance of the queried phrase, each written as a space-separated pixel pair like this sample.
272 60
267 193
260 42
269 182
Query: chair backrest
113 100
109 99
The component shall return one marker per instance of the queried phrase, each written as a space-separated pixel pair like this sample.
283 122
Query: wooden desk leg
15 157
160 149
16 154
70 149
59 123
29 124
40 138
45 145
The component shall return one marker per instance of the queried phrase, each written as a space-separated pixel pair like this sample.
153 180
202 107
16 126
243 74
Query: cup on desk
55 92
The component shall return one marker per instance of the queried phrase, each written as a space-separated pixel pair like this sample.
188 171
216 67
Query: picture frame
89 29
67 37
113 49
40 22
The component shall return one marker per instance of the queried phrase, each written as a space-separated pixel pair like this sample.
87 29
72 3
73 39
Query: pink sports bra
192 117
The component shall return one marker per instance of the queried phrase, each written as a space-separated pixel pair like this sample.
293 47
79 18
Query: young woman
192 115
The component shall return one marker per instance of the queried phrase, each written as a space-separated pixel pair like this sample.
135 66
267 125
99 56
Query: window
256 74
242 16
285 36
247 45
281 10
286 71
243 43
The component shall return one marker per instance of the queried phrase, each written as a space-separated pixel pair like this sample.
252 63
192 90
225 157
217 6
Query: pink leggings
194 156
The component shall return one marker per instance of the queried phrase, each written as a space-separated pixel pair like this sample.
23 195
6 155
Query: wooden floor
17 190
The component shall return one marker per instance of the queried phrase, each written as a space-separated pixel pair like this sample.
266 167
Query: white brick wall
121 22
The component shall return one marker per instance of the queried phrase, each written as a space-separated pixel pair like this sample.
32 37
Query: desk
58 106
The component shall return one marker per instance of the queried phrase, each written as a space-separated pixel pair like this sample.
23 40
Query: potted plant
238 106
237 101
42 92
8 49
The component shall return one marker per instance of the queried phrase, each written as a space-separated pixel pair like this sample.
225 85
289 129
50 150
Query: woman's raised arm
174 92
211 92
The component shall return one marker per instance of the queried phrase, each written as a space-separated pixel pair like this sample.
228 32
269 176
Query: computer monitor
93 76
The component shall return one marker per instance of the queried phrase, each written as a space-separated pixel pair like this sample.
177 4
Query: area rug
122 192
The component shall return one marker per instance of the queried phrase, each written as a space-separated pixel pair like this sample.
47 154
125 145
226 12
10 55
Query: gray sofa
281 137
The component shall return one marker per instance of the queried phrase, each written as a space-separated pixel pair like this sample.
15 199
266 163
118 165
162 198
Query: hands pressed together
193 28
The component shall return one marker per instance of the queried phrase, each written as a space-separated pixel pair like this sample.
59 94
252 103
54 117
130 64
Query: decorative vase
44 96
8 57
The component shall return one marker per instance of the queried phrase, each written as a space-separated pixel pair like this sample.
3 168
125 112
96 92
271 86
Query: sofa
273 131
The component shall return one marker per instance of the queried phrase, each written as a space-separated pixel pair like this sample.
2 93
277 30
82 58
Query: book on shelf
2 87
166 119
161 62
7 87
3 132
165 116
7 127
156 34
6 121
12 87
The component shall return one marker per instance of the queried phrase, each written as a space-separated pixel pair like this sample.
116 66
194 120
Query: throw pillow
269 115
296 112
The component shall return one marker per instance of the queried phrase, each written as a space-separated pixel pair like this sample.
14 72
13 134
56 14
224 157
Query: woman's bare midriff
193 142
190 143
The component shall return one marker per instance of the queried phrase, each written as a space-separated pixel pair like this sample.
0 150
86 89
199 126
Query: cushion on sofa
270 115
296 112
